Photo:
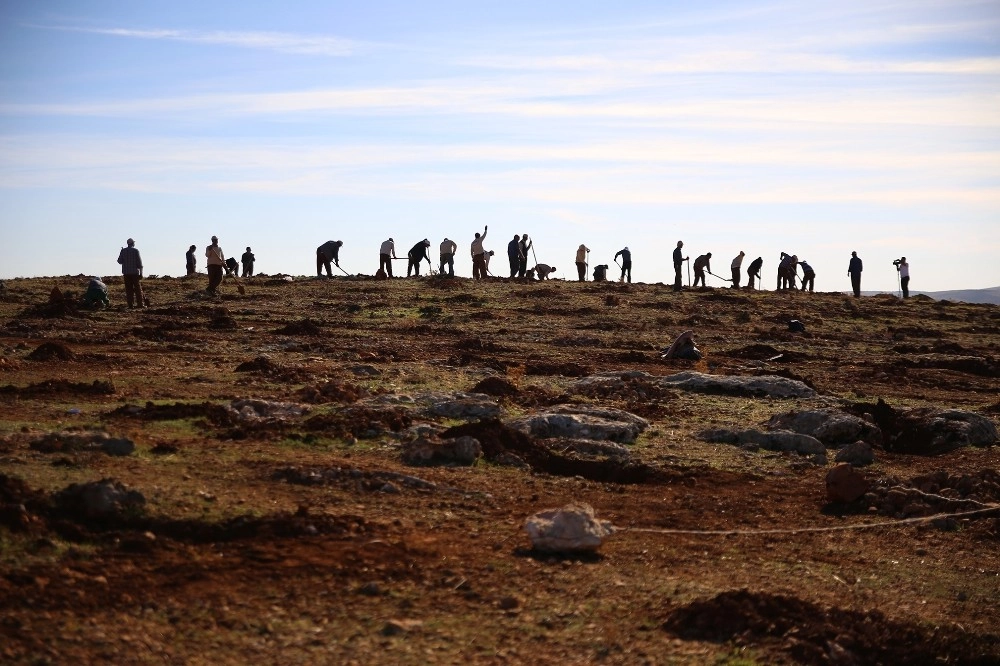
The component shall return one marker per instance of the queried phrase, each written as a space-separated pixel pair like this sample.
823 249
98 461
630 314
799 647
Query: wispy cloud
280 42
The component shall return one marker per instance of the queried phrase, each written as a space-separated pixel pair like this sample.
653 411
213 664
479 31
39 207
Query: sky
813 128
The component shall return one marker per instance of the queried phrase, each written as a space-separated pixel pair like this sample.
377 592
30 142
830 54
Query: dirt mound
495 386
351 478
215 414
469 299
564 369
48 351
67 307
810 634
342 392
360 422
478 344
922 431
498 439
261 364
301 327
51 387
222 320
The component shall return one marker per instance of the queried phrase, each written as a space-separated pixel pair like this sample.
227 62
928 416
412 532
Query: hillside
286 479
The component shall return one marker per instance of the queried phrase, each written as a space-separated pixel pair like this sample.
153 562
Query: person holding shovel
581 262
386 254
735 268
448 250
702 264
626 264
753 271
216 264
524 246
679 260
417 254
478 255
325 253
132 274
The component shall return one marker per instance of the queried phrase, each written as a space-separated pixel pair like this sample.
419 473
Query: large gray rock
100 500
433 451
252 409
831 427
960 427
775 440
582 422
857 453
770 386
572 528
84 440
457 405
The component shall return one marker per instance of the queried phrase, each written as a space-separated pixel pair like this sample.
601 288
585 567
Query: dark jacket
626 256
418 252
678 257
855 265
247 258
755 265
514 249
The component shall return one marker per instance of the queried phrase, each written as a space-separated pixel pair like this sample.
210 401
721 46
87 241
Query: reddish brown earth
307 540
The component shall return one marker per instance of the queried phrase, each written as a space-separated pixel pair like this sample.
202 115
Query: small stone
572 528
845 484
858 454
397 627
509 603
370 589
389 488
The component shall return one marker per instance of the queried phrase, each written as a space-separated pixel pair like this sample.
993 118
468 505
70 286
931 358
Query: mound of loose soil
48 351
215 414
341 392
261 364
810 634
495 386
51 387
360 422
301 327
556 369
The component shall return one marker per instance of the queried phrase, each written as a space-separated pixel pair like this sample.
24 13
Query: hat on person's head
130 242
215 238
626 248
426 242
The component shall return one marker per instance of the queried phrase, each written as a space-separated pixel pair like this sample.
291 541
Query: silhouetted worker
526 243
808 276
192 262
514 255
786 271
96 294
854 270
215 262
417 254
679 260
753 270
702 264
386 254
600 273
478 255
232 267
626 264
543 270
132 274
247 260
735 268
448 250
904 276
582 253
326 253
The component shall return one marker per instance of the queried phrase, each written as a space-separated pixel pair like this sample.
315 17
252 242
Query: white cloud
280 42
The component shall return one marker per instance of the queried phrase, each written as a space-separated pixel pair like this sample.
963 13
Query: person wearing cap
247 260
581 262
325 253
191 260
478 255
514 255
215 262
854 270
448 250
626 256
386 254
904 276
417 254
735 268
808 276
679 260
543 270
523 247
702 264
132 273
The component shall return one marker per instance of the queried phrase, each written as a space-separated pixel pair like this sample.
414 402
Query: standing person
216 262
448 250
626 264
192 262
679 260
735 268
325 253
702 264
514 255
904 276
854 270
384 259
753 270
581 262
132 273
786 271
417 254
247 260
478 259
525 245
808 276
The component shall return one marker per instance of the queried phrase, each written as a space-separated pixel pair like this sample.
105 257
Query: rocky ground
340 471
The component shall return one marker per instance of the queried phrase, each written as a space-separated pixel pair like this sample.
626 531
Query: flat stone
462 450
775 440
770 386
831 427
256 410
582 422
857 453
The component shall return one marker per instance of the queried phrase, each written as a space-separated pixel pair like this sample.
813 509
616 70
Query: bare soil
305 539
